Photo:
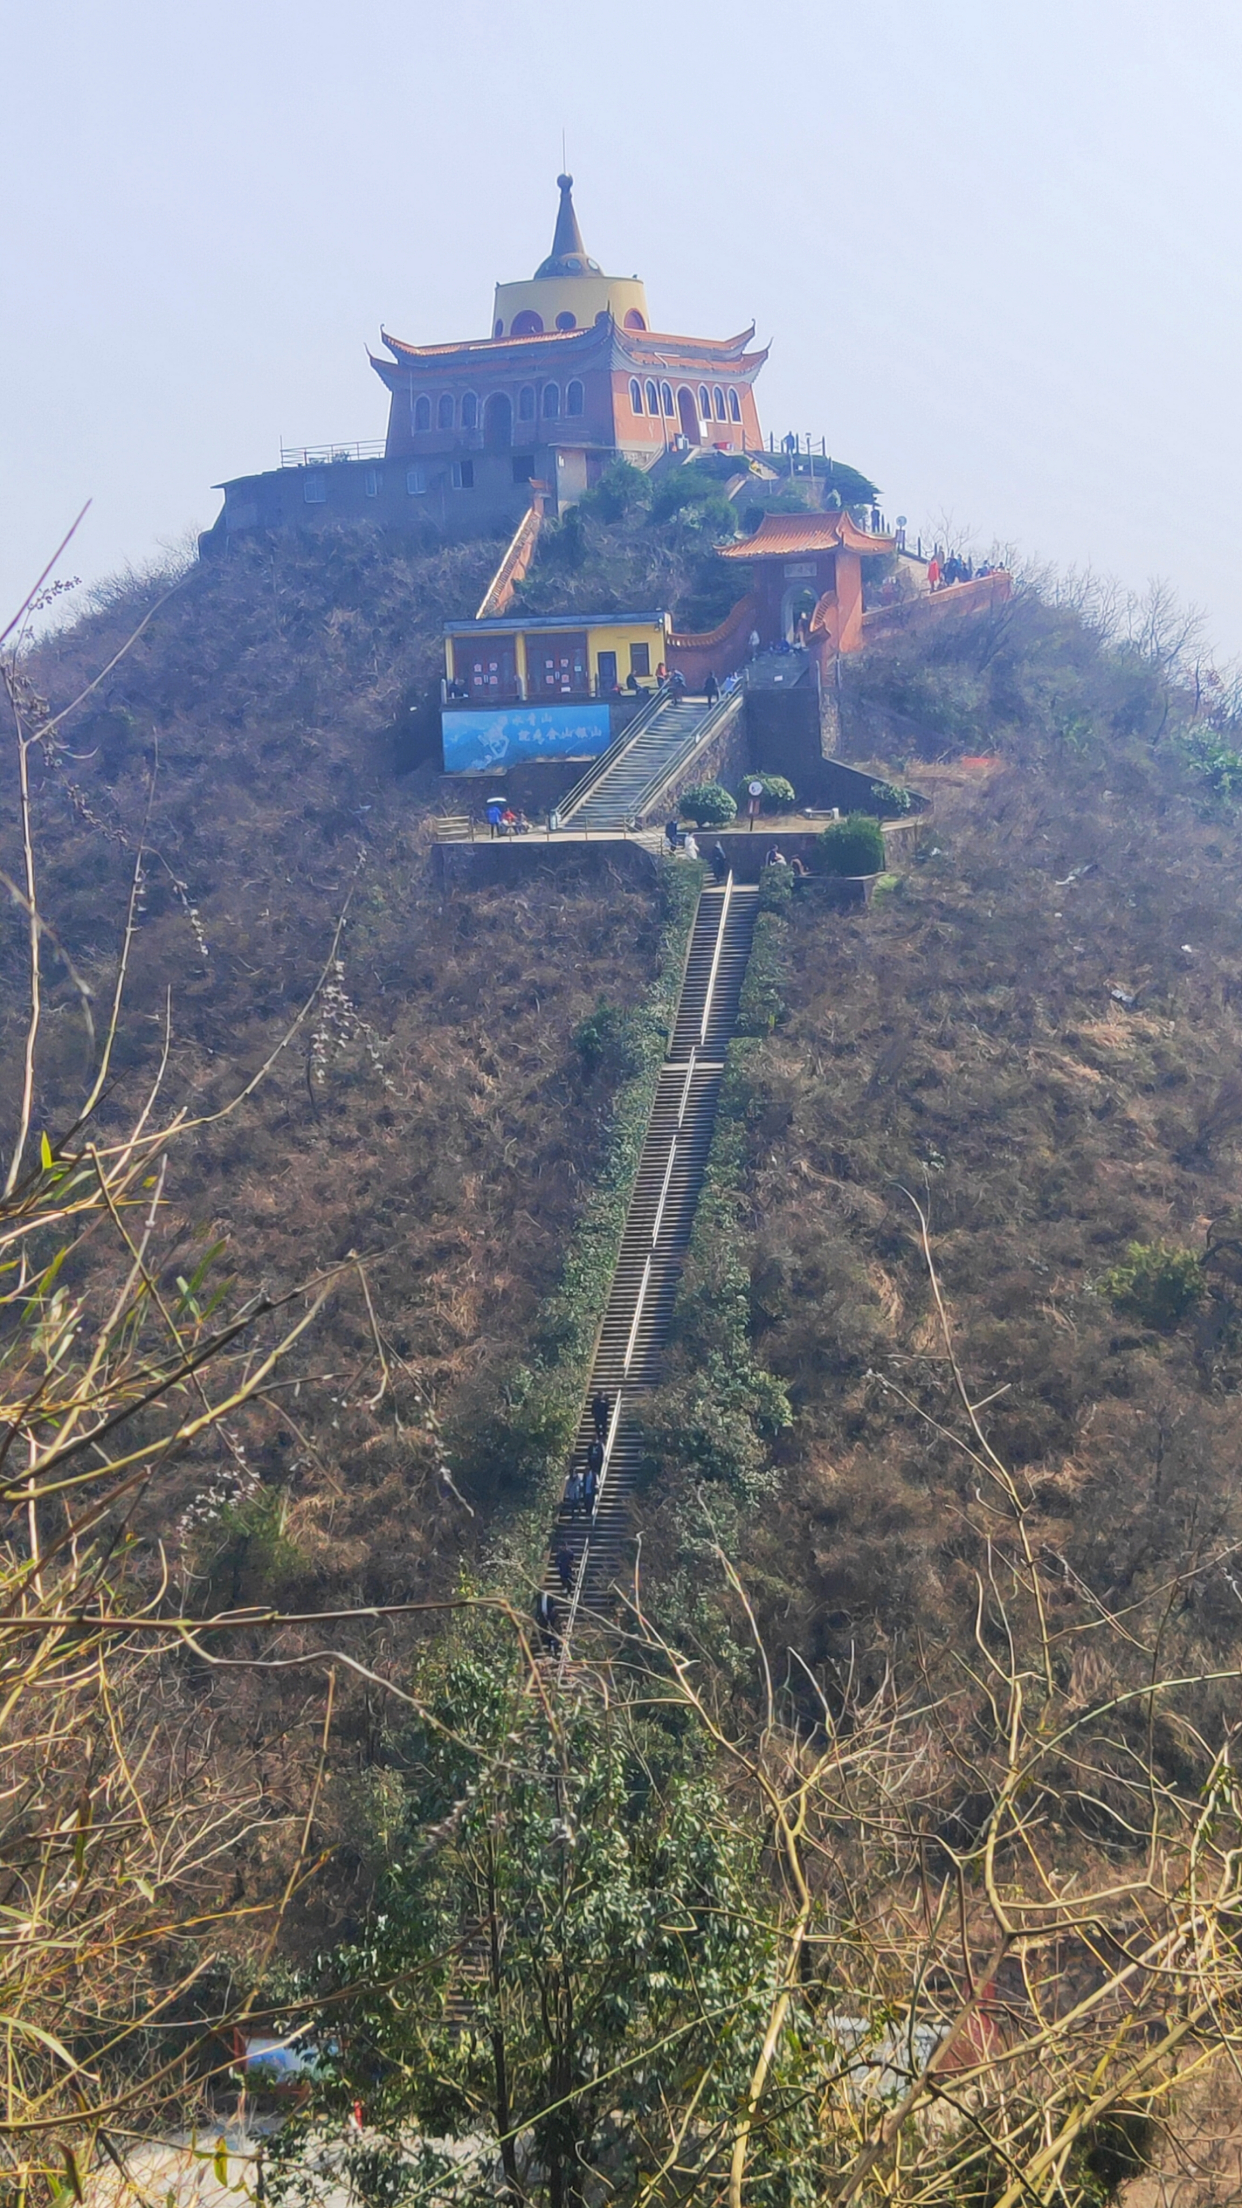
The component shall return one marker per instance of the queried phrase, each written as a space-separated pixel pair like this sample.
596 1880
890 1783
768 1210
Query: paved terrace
466 851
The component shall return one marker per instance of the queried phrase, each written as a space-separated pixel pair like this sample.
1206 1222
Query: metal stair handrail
715 966
685 1090
675 1149
643 1285
664 1189
709 726
616 750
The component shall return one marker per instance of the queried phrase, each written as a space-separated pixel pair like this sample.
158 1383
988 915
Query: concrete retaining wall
608 859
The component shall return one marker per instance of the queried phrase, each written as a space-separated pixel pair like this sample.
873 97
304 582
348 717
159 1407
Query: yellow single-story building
547 657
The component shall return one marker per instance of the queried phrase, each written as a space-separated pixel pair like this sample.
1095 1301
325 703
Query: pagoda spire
569 255
567 237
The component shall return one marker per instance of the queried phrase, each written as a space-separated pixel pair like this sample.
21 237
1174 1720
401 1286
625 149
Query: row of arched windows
531 404
649 398
530 324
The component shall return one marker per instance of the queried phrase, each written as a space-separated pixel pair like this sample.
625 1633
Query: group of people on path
503 821
942 574
582 1486
581 1495
680 839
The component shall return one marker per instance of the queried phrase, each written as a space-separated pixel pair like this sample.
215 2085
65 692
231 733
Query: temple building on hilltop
571 377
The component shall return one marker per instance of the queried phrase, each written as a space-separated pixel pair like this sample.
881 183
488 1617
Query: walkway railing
715 966
709 726
319 456
658 1210
616 750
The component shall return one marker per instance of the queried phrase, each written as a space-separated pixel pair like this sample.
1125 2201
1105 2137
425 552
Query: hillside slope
1036 1034
432 1114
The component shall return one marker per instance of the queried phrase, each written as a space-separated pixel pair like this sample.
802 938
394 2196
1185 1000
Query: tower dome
568 291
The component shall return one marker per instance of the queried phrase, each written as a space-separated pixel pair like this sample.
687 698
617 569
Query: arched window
551 401
567 321
422 412
573 397
653 398
526 324
705 404
498 420
499 330
444 412
636 396
470 411
634 320
735 411
526 403
666 397
719 397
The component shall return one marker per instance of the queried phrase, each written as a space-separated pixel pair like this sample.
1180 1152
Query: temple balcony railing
322 456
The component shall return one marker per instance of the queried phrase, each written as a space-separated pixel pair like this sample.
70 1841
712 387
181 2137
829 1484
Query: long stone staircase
629 1351
627 780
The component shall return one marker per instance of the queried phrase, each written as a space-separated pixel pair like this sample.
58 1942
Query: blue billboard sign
480 742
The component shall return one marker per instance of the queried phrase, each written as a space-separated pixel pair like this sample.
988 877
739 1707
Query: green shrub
1155 1284
761 1003
720 1410
854 845
606 1042
1217 764
709 805
893 798
778 794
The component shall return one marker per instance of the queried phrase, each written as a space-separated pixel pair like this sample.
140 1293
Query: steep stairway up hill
628 779
629 1351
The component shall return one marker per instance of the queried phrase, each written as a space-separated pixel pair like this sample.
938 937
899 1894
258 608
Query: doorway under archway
498 420
689 414
797 606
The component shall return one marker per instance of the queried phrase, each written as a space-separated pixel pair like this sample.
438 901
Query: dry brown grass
962 1040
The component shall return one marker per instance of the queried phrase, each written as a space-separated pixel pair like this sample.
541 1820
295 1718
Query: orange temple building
571 377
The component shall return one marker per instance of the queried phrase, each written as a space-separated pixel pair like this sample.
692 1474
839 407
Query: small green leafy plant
1217 764
893 797
1155 1284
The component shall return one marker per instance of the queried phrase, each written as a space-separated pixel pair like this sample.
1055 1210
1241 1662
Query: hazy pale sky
994 244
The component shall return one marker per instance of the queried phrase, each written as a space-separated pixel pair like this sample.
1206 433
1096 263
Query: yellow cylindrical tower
568 291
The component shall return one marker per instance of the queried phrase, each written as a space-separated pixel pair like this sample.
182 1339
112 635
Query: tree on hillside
581 1956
